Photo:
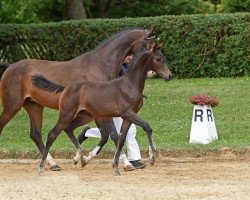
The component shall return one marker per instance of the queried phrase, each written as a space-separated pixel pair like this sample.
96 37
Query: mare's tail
3 67
43 83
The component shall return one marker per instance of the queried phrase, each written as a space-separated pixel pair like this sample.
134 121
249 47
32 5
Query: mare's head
145 39
156 62
112 51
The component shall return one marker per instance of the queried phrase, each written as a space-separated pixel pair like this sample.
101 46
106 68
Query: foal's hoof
83 162
117 173
41 172
151 161
75 161
129 168
55 168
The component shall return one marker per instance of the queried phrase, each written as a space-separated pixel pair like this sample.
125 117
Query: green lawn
168 112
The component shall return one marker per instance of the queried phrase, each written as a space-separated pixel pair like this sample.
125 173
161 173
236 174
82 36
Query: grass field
168 112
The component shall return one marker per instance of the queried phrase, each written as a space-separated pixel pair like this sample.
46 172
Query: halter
145 40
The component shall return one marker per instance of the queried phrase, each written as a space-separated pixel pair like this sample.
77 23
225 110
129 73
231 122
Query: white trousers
131 143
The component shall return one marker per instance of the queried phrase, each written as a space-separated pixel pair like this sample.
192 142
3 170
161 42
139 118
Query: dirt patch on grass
169 178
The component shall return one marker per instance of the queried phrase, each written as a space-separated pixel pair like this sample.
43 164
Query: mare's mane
117 35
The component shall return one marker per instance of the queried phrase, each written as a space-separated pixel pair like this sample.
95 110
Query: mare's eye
157 59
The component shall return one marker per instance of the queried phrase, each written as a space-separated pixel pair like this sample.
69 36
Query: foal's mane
117 34
137 56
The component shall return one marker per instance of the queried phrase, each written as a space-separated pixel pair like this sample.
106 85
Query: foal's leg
108 127
103 125
134 118
50 140
35 112
81 119
122 137
65 118
104 140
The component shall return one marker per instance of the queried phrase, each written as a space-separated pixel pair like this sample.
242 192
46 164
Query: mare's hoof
55 168
151 161
129 168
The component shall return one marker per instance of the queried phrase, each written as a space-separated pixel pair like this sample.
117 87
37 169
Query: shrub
194 45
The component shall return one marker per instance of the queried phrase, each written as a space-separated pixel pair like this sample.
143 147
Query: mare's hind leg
35 112
11 105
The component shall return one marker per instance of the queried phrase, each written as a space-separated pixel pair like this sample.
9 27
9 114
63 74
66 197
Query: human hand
150 74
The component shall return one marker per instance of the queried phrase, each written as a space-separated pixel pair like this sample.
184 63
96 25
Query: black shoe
138 164
81 137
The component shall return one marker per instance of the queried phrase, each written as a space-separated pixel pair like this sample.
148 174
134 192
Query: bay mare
101 64
116 98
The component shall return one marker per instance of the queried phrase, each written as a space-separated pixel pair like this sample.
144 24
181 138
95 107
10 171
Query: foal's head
157 62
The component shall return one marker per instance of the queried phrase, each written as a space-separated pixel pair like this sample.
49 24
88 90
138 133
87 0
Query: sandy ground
169 178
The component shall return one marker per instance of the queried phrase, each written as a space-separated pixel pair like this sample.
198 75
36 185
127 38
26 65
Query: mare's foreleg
122 138
134 118
35 112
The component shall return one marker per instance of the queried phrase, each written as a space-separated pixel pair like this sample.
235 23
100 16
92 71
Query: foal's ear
151 32
152 48
159 46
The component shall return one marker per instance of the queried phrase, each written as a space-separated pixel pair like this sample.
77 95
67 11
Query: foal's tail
3 67
43 83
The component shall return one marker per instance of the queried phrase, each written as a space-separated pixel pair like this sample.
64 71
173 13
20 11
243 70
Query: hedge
194 45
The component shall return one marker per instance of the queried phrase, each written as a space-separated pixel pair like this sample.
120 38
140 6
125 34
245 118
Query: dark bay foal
120 97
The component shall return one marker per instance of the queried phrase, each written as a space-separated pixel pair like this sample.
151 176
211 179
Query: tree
75 9
236 5
12 11
37 11
145 8
32 11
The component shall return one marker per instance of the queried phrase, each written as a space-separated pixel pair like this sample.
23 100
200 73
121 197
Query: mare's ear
151 32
